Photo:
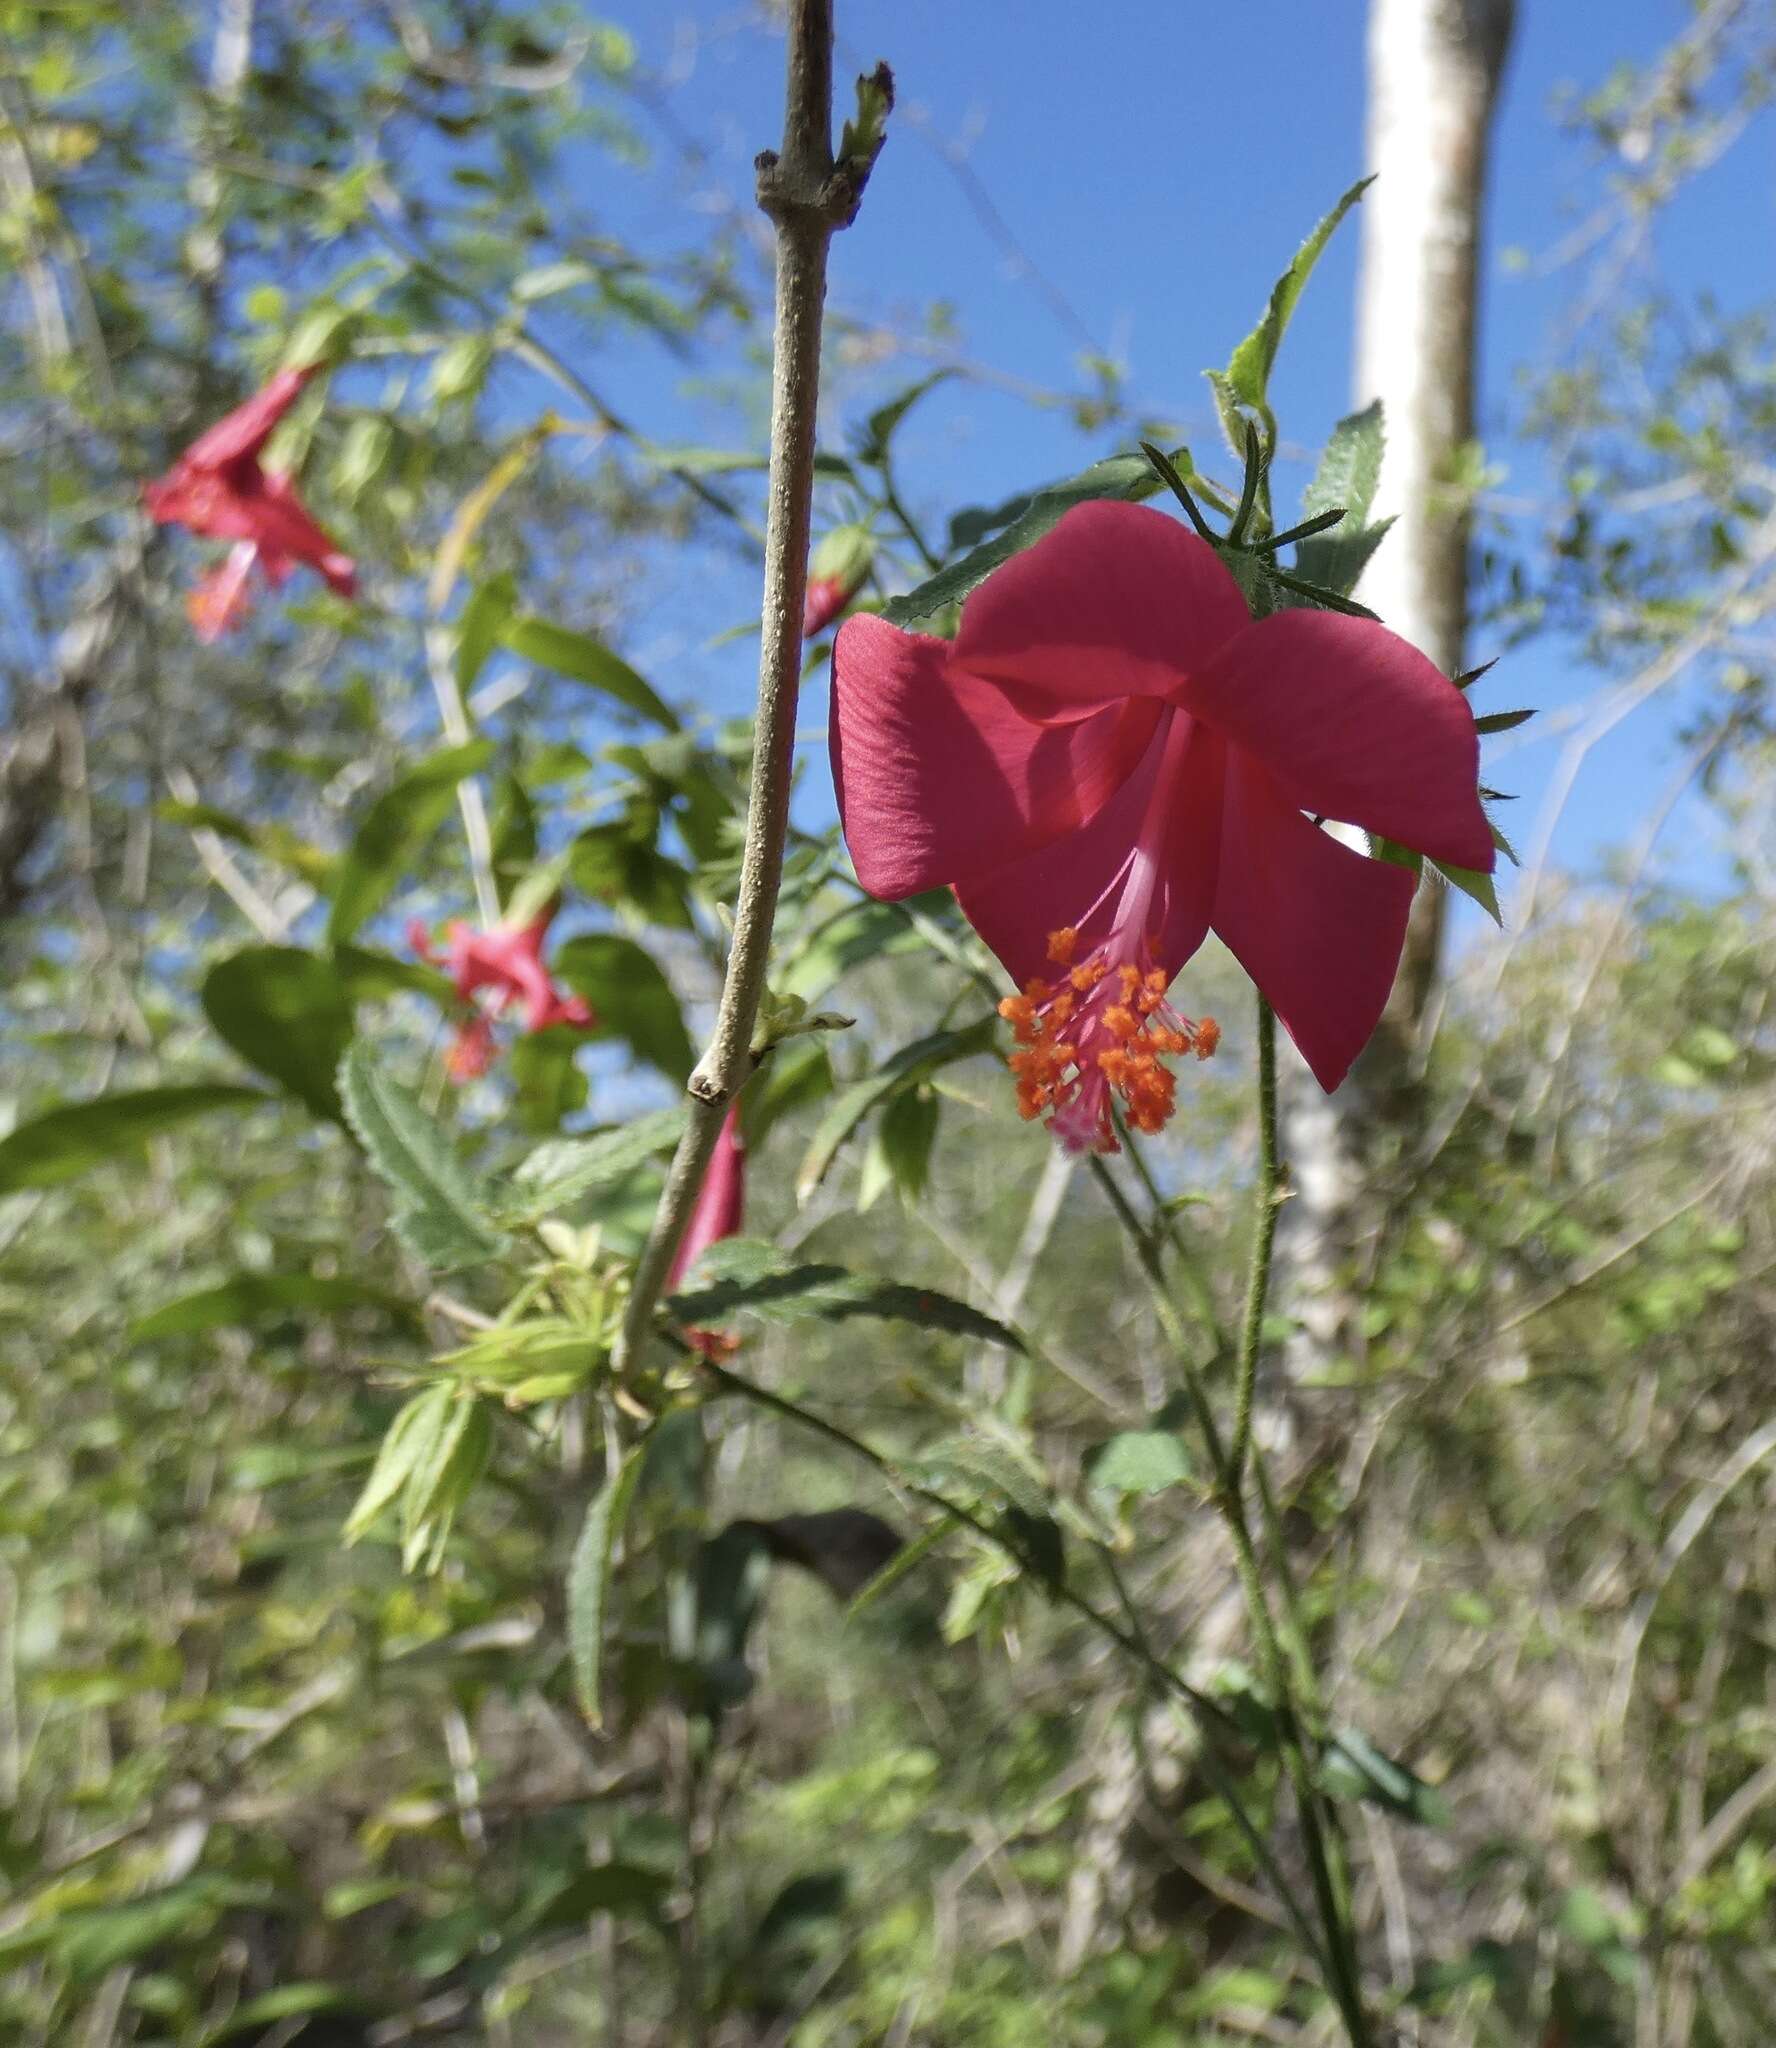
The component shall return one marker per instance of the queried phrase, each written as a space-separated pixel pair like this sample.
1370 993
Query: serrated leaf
1125 477
912 1064
1336 561
1250 365
585 660
286 1012
744 1276
561 1171
62 1143
257 1298
446 1210
630 997
418 1424
393 833
1502 721
1349 468
588 1579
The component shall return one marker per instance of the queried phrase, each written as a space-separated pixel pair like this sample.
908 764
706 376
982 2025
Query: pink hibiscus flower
218 488
508 960
1113 759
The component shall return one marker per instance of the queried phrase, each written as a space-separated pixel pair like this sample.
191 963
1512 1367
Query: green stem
1264 1222
1212 1717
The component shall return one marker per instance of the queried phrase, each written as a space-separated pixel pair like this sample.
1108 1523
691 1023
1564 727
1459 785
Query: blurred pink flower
218 488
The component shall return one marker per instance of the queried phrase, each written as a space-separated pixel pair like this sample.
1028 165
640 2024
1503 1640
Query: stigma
1100 1029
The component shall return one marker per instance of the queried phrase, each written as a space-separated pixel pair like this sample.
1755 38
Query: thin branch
808 196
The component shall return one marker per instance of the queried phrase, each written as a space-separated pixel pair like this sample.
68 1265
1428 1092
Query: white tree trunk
1434 70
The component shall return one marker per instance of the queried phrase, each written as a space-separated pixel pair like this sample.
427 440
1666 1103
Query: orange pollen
1117 1042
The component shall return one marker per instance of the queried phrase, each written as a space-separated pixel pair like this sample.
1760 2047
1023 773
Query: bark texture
1434 72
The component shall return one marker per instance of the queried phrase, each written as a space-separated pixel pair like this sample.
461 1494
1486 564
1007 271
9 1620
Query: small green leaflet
434 1451
1247 377
878 432
445 1210
742 1275
588 1579
1351 1767
63 1143
393 833
912 1064
1126 477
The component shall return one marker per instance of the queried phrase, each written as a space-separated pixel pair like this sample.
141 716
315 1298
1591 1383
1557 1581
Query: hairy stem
1264 1222
807 196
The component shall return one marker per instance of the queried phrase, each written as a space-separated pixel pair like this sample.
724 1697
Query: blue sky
1157 160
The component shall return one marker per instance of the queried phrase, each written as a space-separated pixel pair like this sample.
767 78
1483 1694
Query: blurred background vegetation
260 1785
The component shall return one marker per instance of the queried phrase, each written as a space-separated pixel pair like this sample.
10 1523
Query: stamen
1120 1032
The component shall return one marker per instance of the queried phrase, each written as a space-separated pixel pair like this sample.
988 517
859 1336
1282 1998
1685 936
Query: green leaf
912 1064
742 1274
285 2002
393 833
588 1579
1250 365
1139 1461
1502 721
445 1209
480 623
906 1134
1336 561
1473 882
1351 1767
587 661
1349 468
631 1891
441 1479
632 998
561 1171
259 1298
286 1013
411 1437
63 1143
1124 477
874 444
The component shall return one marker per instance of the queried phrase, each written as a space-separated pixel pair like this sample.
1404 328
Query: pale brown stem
808 196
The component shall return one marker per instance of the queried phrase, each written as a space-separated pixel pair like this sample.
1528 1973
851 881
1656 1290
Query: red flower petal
1318 927
247 429
1118 601
1167 815
939 779
1355 724
721 1200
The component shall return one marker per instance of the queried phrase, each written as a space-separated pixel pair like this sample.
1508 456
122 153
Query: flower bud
836 572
